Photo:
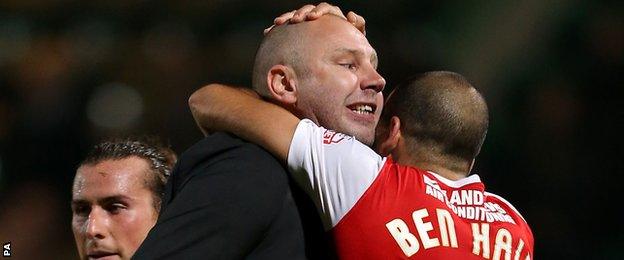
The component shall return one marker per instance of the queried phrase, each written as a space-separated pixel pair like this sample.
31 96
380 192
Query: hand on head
312 12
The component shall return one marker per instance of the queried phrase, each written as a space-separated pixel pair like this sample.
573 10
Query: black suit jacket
226 199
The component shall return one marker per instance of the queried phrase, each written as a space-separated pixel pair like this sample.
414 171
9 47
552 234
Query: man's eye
349 66
81 210
115 207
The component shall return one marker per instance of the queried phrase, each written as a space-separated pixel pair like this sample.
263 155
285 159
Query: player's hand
311 12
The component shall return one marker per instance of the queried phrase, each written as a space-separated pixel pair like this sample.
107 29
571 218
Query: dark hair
160 158
442 113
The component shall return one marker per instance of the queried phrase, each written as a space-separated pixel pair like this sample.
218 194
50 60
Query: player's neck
442 171
432 167
429 160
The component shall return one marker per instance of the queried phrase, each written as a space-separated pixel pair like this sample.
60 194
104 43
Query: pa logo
6 249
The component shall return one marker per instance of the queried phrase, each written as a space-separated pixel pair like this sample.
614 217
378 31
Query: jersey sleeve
333 168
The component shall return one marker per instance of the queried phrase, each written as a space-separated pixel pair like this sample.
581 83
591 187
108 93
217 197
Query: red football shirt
377 209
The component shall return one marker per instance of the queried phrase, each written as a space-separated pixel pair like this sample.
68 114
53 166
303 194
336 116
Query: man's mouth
363 109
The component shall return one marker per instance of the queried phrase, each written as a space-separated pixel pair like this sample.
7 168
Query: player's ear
391 138
282 84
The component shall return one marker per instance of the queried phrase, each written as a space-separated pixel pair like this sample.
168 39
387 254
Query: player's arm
218 107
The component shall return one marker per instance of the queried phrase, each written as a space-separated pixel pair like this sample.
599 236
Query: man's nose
96 224
373 80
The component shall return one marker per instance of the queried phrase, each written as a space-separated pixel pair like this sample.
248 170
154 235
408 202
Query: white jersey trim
458 183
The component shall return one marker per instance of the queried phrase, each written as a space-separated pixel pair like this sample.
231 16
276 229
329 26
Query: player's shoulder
497 198
520 220
222 144
223 151
308 127
326 137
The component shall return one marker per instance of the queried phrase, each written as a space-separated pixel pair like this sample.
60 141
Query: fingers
301 14
357 21
283 18
311 12
325 8
267 30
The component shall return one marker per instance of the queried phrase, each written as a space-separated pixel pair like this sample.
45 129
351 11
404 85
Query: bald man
419 202
324 70
229 199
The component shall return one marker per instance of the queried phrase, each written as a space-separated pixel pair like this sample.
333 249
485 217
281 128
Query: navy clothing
226 199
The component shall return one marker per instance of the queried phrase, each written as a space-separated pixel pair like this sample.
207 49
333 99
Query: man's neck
432 167
442 171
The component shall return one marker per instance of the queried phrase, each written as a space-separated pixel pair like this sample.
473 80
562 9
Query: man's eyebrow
79 201
105 200
353 52
114 198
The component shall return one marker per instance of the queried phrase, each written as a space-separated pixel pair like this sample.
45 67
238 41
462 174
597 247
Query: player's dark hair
160 158
442 116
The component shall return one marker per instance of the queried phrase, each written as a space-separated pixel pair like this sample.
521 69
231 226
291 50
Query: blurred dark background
74 72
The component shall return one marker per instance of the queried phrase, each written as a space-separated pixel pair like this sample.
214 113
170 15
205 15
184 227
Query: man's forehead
329 25
97 190
331 29
114 168
105 179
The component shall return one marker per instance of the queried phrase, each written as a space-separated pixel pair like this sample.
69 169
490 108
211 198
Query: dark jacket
226 199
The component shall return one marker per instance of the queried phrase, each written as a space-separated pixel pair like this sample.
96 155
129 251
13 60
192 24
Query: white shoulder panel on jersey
335 169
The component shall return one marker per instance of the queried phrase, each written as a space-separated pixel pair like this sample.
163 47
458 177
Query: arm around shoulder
217 107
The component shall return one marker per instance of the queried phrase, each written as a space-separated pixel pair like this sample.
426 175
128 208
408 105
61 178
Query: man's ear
282 84
392 137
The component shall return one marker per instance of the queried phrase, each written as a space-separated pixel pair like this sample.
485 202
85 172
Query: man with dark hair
417 203
445 118
116 196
